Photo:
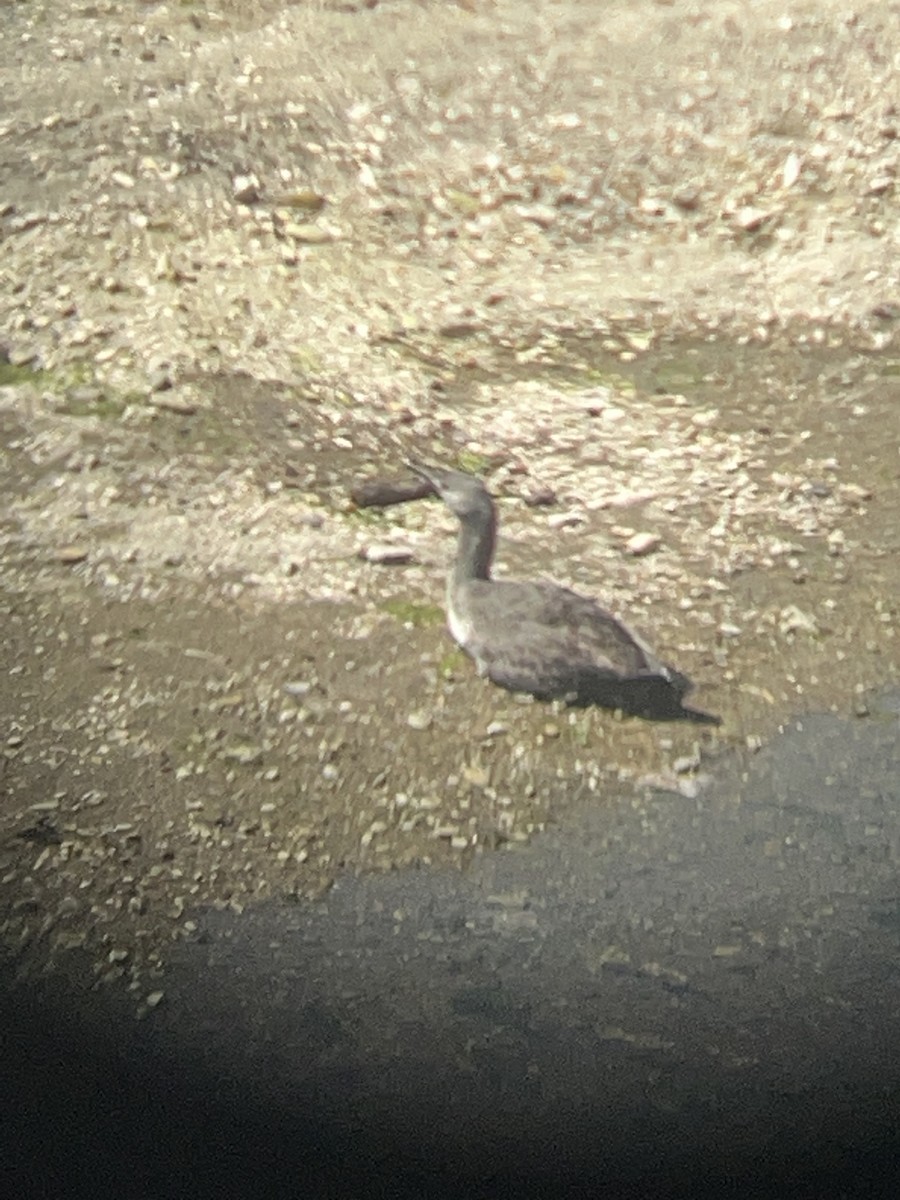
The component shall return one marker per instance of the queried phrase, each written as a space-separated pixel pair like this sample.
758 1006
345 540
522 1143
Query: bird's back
547 640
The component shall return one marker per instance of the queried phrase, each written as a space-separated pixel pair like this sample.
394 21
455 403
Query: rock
245 189
23 356
794 620
686 198
159 376
174 402
541 497
70 555
879 184
640 544
387 555
790 172
308 233
539 214
686 763
298 688
565 520
304 199
750 219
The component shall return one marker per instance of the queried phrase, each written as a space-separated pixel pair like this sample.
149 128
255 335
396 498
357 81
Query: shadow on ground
693 997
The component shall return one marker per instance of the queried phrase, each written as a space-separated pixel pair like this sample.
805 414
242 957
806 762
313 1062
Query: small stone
686 763
640 544
70 555
794 620
308 233
174 403
539 214
245 755
880 184
750 219
154 999
159 375
298 688
854 492
245 189
790 172
566 120
303 198
565 520
387 555
458 329
122 179
541 497
476 775
419 721
686 198
22 356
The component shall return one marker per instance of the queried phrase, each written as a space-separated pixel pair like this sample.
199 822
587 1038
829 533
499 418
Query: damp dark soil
639 273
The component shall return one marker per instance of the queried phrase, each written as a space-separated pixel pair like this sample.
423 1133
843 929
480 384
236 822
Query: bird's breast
460 628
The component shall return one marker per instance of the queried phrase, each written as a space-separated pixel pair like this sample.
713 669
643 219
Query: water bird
539 637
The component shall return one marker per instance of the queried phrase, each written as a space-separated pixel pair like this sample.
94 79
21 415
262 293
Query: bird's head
464 494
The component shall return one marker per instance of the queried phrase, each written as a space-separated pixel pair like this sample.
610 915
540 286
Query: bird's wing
571 628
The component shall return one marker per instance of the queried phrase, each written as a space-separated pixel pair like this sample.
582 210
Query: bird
541 638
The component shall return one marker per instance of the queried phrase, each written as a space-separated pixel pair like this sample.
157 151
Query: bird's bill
429 474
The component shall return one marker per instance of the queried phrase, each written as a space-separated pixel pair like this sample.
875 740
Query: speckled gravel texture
642 273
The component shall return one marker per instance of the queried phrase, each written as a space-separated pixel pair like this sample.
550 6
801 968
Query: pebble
879 184
686 763
793 620
303 198
298 688
419 720
643 543
173 402
542 497
385 554
539 214
686 198
159 378
308 233
70 555
750 219
628 499
565 520
245 189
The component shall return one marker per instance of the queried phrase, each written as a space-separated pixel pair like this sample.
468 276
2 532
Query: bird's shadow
653 699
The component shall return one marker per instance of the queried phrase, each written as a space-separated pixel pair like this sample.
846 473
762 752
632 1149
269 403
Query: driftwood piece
381 493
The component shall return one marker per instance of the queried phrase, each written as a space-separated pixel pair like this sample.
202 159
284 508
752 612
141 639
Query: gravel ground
640 269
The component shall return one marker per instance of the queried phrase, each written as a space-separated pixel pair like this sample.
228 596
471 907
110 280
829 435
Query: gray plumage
539 637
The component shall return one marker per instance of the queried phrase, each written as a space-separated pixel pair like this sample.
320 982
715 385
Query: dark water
677 997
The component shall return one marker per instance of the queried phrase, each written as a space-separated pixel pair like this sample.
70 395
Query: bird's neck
475 548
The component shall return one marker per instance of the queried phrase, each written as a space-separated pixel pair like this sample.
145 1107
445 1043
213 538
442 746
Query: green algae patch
411 612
